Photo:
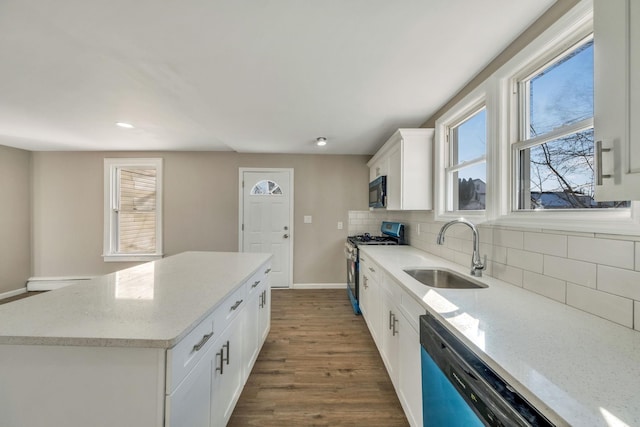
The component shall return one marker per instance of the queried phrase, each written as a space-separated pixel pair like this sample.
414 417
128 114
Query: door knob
286 236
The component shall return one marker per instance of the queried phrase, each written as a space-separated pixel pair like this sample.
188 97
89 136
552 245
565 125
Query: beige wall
527 36
200 208
15 208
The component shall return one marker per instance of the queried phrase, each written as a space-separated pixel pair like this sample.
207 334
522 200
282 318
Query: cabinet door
410 384
190 402
394 178
227 372
390 335
617 98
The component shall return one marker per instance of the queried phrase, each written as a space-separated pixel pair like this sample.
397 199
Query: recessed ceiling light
321 141
125 125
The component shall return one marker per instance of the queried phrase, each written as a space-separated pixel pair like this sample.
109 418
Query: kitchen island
576 368
170 342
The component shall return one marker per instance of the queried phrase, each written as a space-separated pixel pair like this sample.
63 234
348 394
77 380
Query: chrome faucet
476 263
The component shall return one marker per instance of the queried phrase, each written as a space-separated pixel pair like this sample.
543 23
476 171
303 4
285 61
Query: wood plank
318 367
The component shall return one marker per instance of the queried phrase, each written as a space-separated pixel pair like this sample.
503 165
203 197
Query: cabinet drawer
230 307
412 309
372 270
256 282
186 354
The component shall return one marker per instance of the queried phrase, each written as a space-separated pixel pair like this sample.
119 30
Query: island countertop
565 361
151 305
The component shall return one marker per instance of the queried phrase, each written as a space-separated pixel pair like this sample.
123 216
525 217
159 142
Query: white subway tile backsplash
507 273
595 273
611 307
546 243
616 253
625 283
508 238
545 285
580 272
530 261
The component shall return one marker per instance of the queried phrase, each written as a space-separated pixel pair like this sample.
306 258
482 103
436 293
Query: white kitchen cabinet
228 372
369 297
400 346
190 402
257 317
407 159
617 98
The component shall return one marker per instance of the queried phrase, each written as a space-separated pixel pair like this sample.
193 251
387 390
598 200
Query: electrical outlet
308 219
340 226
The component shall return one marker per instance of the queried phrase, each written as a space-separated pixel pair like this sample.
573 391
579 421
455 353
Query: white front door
266 219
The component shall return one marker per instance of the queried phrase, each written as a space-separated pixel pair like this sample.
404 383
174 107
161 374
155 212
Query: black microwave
378 192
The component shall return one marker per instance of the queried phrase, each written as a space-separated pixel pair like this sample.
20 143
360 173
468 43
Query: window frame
499 91
569 30
465 109
111 165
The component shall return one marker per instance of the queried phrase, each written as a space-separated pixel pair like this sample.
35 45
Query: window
266 187
466 174
133 202
461 174
555 149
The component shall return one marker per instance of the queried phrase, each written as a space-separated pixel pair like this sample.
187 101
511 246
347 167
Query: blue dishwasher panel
442 404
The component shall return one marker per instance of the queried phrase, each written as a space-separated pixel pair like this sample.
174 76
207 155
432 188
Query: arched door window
266 187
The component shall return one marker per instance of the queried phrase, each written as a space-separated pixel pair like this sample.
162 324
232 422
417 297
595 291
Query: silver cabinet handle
260 300
364 281
221 367
395 322
256 283
236 305
226 345
599 151
267 271
391 316
372 270
202 342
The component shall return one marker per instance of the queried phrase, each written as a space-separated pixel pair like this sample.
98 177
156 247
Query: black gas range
392 233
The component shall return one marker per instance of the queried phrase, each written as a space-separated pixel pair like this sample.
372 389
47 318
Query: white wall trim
51 283
318 286
13 293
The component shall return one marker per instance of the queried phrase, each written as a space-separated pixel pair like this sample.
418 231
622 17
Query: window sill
131 257
617 223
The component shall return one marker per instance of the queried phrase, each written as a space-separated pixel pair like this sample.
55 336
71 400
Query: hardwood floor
319 367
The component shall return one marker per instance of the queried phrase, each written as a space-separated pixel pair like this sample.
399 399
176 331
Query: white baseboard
51 283
319 286
13 293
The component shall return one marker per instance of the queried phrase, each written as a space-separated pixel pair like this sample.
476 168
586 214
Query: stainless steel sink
446 279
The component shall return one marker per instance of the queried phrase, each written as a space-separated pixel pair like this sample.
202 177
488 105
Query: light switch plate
340 225
308 219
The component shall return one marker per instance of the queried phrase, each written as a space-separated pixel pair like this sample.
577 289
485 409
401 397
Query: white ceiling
244 75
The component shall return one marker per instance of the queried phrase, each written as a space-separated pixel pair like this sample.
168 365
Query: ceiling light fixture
125 125
321 141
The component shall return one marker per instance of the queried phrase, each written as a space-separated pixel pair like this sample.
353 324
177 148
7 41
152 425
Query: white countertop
584 368
151 305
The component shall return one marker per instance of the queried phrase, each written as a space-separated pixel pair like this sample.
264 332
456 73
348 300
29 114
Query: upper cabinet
617 99
406 160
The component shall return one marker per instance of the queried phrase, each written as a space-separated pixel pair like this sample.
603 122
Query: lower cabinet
190 403
228 374
210 390
398 341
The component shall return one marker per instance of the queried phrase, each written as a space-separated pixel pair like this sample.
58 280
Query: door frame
290 171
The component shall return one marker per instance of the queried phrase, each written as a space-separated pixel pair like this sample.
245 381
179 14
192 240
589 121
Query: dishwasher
459 389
